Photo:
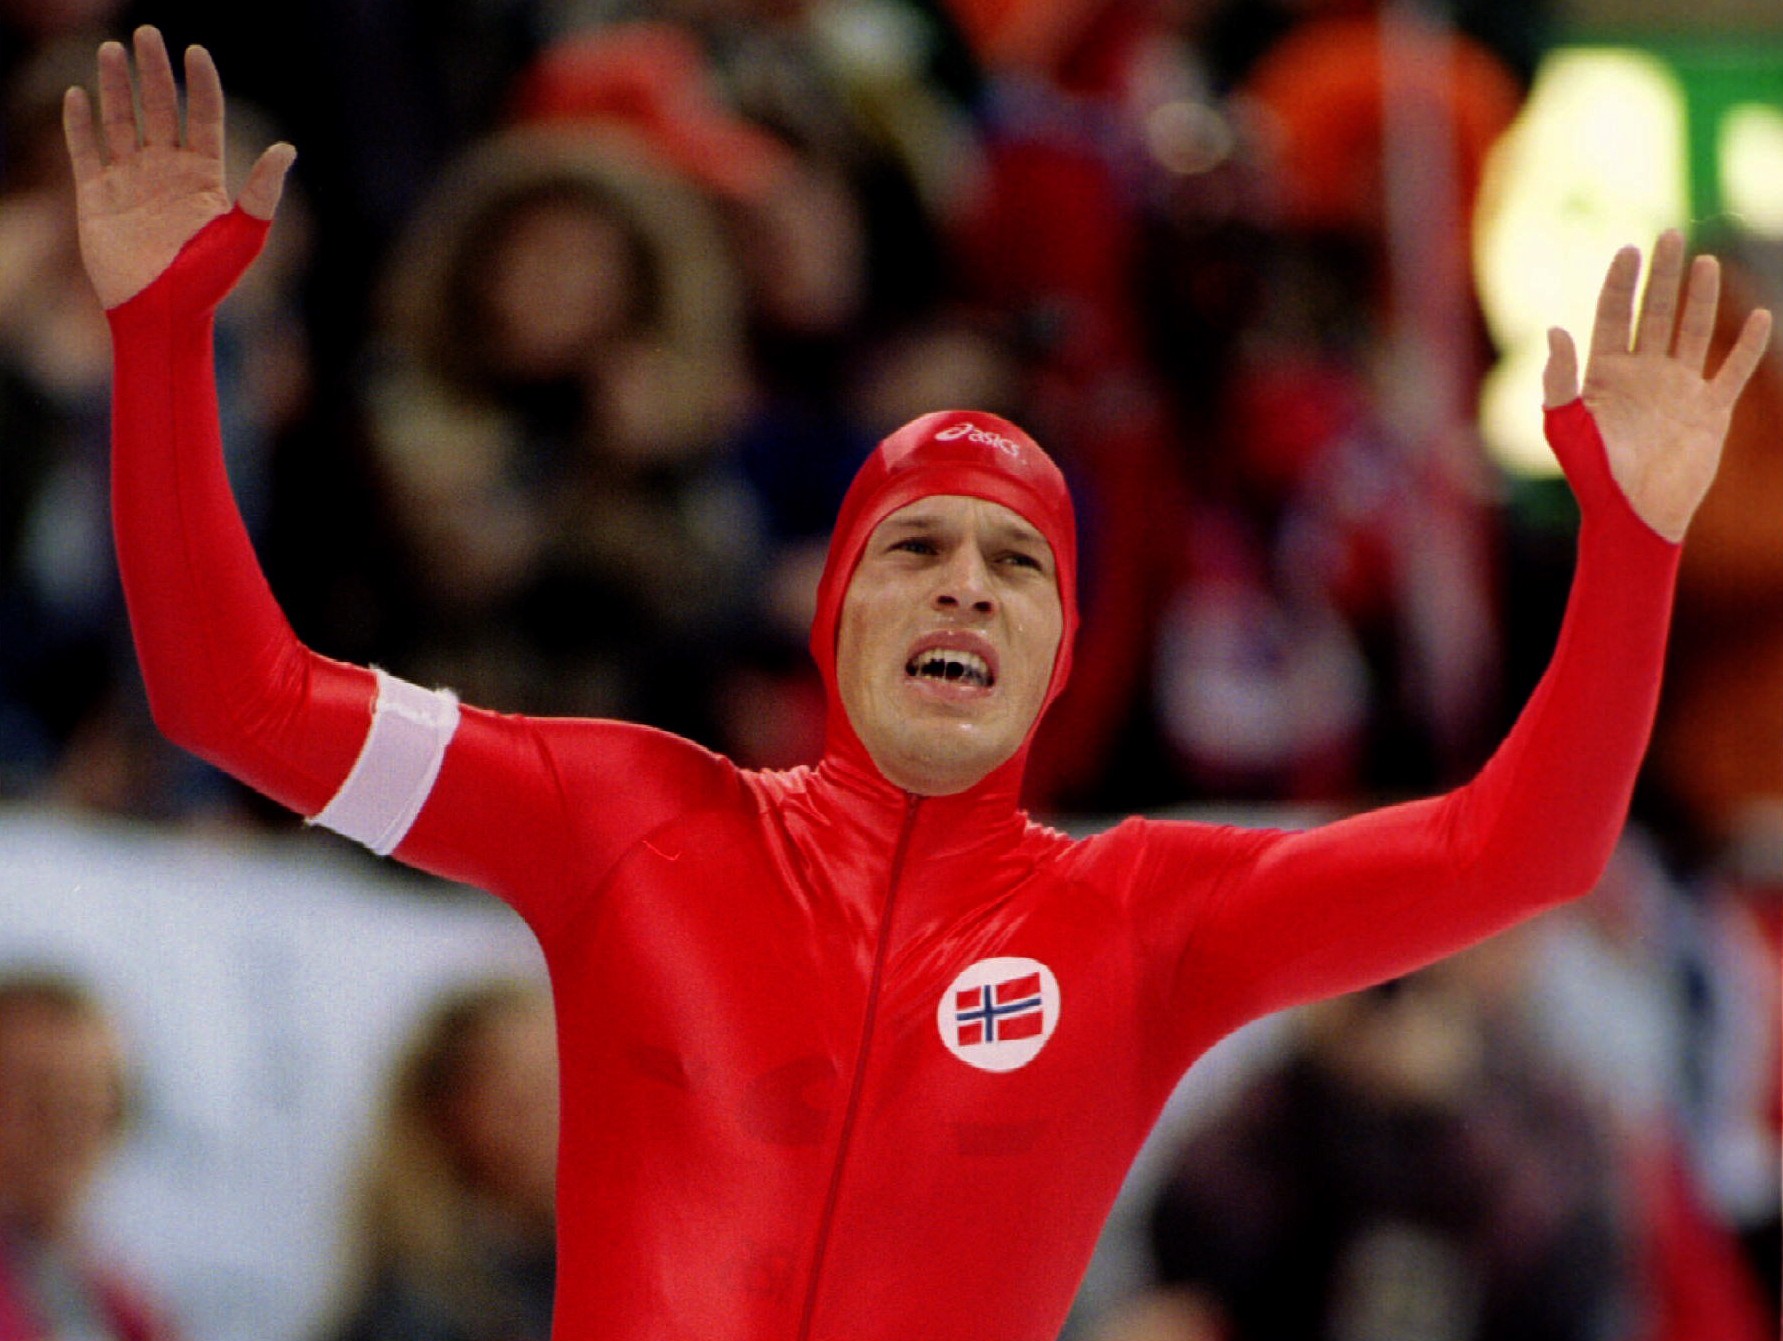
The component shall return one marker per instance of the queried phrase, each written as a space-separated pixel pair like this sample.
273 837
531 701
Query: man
1418 1168
857 1050
61 1109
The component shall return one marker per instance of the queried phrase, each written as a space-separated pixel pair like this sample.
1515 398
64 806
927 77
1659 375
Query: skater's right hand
140 197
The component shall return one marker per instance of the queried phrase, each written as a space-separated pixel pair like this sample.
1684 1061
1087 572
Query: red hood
966 452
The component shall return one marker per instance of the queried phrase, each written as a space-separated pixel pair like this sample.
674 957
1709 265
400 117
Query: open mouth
953 666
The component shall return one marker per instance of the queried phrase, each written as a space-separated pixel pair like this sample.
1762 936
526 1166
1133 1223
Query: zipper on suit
860 1069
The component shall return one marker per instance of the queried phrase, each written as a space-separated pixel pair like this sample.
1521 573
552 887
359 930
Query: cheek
862 636
848 649
1041 632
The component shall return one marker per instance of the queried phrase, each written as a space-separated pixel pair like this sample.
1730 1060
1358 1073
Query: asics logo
984 436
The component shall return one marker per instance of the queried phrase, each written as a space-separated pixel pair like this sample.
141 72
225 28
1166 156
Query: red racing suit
841 1062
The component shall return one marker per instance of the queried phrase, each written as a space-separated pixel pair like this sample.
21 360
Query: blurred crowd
579 316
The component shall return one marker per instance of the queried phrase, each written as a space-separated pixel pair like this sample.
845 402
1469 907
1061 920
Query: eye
1016 558
915 545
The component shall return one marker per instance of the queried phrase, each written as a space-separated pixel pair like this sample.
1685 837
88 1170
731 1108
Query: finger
82 136
1702 293
204 104
1743 359
1659 305
160 99
266 181
1615 304
1560 379
117 101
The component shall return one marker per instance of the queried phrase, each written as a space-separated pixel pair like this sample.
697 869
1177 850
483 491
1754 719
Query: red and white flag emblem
999 1013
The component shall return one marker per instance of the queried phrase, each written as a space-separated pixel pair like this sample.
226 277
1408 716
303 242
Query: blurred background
578 317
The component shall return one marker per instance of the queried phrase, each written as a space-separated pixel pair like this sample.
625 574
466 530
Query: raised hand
141 193
1663 421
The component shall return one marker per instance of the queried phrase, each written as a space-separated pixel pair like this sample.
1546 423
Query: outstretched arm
163 244
473 796
1297 916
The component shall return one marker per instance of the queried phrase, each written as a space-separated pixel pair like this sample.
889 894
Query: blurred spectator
1375 124
1414 1170
1336 91
453 1236
1160 1315
1738 1116
1324 579
1643 995
27 29
558 376
62 1107
831 213
1328 629
1496 1146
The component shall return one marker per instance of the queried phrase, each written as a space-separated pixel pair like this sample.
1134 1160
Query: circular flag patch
999 1013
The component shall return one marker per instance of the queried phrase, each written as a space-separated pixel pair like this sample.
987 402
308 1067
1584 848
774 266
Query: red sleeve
538 810
226 678
525 808
1289 917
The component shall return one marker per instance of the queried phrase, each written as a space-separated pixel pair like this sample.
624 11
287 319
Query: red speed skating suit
840 1062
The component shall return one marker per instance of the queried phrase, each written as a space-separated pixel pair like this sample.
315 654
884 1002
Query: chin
948 772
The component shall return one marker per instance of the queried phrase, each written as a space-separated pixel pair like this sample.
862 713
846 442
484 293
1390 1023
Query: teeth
946 663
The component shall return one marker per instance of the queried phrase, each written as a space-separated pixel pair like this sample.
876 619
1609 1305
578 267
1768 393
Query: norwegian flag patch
999 1013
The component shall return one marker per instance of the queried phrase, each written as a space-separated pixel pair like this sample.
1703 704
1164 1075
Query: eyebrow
1004 530
1026 534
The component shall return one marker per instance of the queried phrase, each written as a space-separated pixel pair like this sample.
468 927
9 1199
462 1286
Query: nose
965 583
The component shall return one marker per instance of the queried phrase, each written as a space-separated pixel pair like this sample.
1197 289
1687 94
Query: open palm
1663 421
142 195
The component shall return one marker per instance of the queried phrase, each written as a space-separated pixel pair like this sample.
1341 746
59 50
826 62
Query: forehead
961 511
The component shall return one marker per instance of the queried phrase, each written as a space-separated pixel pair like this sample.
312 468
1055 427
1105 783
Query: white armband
396 768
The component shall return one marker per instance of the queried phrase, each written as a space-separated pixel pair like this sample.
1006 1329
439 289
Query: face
946 641
59 1113
560 283
504 1111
